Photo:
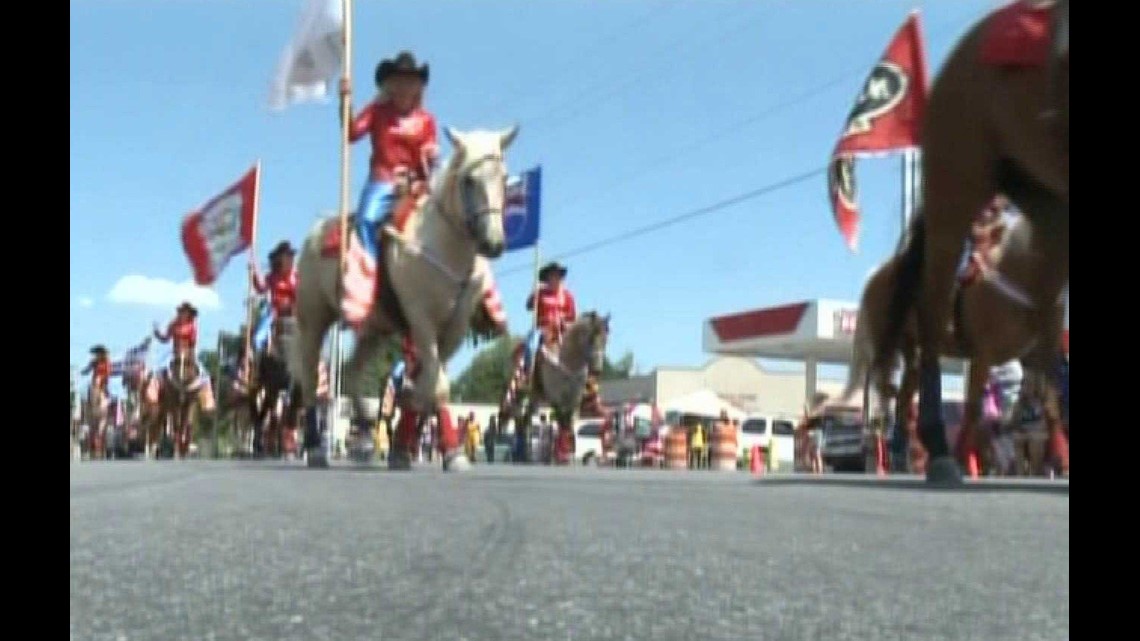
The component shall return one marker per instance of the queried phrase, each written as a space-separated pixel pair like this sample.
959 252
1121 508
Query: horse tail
904 294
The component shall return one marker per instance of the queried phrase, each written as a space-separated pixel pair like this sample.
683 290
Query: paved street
225 550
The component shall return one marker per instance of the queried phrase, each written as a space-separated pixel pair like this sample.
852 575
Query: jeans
376 201
533 341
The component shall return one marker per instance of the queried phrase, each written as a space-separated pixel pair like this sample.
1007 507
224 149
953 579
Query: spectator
697 447
474 437
490 436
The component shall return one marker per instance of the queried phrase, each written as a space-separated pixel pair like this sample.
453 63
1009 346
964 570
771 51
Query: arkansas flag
220 230
887 116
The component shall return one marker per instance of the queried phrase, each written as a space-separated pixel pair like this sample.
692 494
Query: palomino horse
178 402
997 121
274 397
436 270
999 294
560 380
96 413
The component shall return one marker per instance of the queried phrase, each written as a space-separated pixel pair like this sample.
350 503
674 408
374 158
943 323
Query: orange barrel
677 449
722 453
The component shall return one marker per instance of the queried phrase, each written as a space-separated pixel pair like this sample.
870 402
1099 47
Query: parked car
762 430
588 442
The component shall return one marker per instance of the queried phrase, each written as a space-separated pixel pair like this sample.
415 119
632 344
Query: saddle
1018 35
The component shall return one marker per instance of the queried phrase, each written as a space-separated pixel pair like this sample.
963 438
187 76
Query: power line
668 222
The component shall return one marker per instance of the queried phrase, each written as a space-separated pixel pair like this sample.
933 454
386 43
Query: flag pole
346 123
252 261
218 355
534 286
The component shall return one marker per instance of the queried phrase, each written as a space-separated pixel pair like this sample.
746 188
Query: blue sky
638 110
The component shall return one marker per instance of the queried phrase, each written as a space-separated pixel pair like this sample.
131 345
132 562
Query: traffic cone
880 457
972 467
757 462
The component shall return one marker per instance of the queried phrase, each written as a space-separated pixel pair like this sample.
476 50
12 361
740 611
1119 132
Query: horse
993 124
96 412
272 396
433 277
560 380
178 405
999 294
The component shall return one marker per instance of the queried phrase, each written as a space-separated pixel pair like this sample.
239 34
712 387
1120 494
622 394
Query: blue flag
523 208
262 325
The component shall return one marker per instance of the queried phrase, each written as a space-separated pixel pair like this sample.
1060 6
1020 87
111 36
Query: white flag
313 58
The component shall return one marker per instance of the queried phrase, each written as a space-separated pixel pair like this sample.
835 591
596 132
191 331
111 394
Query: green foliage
622 369
485 379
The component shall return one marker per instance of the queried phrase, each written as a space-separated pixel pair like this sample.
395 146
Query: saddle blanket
1018 35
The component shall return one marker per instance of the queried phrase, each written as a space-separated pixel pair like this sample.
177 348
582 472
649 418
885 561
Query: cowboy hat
187 307
98 349
403 64
283 247
549 269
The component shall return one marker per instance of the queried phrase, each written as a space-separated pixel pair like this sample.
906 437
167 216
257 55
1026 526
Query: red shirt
397 140
555 308
101 372
183 333
282 291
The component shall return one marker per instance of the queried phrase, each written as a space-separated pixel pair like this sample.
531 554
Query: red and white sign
222 229
845 321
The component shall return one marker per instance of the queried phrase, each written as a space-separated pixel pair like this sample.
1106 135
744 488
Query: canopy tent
704 403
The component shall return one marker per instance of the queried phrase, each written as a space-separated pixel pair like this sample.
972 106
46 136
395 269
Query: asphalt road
205 550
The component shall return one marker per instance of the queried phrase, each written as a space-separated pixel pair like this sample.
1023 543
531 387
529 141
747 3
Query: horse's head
588 335
476 186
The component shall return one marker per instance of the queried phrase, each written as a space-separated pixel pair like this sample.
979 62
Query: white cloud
85 302
159 292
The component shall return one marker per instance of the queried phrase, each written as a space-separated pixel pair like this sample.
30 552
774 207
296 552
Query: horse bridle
470 217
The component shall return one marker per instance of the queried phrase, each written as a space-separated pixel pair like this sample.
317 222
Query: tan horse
179 394
988 129
560 380
999 294
437 269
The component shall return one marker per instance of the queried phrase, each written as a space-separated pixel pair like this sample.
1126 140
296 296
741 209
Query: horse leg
432 391
365 349
972 415
310 335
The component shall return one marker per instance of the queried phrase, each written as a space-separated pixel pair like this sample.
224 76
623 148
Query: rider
281 282
183 330
99 368
980 241
403 135
555 310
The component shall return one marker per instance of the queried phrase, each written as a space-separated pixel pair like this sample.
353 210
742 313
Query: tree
486 378
622 369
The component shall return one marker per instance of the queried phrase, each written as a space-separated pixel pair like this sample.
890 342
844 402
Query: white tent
704 403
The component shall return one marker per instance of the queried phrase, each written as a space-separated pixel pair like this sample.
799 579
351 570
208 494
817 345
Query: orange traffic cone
757 463
972 467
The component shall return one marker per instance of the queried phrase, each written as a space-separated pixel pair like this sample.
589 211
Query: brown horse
999 294
989 128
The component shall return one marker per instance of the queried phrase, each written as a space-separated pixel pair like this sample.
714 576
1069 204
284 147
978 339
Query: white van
762 429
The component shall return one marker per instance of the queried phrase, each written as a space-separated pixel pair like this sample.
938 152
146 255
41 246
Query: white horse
437 269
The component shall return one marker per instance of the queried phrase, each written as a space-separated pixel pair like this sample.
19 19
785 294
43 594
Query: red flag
887 116
222 229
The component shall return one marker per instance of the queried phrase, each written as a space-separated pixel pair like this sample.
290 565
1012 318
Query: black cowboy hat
186 306
283 247
98 349
549 269
403 63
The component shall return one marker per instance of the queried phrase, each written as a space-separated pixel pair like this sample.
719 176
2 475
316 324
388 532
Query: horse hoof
399 461
456 462
943 471
316 457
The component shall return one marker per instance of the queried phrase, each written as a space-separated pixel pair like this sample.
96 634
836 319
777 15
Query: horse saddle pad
1018 35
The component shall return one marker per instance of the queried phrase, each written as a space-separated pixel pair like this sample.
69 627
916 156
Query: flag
220 230
887 116
523 206
263 323
313 57
134 360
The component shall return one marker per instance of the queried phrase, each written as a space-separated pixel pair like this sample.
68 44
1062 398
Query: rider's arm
256 280
361 124
87 370
571 312
162 337
530 302
430 146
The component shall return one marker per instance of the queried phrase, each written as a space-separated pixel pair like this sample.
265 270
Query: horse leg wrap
407 432
448 435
